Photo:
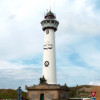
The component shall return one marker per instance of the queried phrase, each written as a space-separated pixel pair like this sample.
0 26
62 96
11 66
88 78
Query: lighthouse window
44 23
46 63
48 21
52 21
47 31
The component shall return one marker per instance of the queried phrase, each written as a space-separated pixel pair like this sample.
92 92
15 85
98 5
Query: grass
10 93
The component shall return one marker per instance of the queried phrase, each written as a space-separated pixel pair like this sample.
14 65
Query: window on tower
48 21
52 21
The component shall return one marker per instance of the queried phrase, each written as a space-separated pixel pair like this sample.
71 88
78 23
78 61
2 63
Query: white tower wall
49 57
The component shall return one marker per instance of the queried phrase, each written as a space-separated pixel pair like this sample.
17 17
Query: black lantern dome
50 15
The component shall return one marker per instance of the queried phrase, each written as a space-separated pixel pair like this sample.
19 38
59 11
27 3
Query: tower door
42 97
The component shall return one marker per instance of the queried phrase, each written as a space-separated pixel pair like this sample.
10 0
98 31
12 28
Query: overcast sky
77 41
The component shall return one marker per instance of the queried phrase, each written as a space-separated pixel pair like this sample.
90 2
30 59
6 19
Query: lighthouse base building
45 91
48 89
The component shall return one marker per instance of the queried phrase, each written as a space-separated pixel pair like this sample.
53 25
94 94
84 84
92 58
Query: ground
75 92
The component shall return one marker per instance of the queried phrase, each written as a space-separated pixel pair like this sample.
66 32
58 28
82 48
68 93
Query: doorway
42 97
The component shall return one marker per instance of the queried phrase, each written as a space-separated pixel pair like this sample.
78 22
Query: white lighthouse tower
49 26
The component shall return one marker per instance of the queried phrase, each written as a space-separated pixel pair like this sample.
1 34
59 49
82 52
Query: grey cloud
13 78
12 17
22 37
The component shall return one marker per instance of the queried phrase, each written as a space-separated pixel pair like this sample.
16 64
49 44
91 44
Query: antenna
50 8
54 5
44 13
47 10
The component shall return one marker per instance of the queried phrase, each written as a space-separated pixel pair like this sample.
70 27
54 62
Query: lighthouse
48 89
49 26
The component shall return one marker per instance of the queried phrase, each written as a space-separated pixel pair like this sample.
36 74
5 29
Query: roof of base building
48 87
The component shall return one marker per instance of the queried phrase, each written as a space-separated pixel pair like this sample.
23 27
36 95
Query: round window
47 31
